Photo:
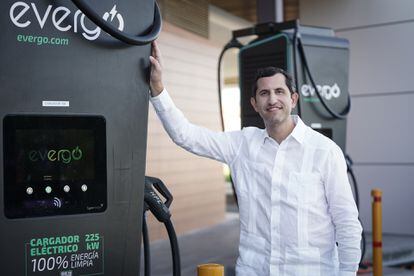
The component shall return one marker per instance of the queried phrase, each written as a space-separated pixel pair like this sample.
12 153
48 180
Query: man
297 212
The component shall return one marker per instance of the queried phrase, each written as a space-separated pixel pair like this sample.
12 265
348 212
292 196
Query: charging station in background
73 109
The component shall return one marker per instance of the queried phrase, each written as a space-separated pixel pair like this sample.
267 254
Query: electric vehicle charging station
74 106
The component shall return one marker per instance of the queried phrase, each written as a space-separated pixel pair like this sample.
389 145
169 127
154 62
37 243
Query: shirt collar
298 132
300 128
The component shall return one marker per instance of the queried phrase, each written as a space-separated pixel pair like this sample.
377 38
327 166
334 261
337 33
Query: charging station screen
54 165
62 154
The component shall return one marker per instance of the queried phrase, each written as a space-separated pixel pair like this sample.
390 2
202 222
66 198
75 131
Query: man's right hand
156 84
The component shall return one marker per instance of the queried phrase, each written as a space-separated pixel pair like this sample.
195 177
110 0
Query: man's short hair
269 72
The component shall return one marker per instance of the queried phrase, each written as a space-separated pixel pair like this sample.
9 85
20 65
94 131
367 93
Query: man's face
273 100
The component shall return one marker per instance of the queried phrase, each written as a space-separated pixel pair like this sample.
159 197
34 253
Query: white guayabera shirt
295 200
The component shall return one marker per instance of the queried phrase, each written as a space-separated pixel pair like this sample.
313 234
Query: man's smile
274 108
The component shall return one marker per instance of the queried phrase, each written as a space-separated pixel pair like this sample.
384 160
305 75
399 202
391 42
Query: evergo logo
62 155
59 17
326 91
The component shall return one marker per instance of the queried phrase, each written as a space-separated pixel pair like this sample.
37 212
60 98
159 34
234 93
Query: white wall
380 131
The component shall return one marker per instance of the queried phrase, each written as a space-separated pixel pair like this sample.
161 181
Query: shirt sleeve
221 146
344 212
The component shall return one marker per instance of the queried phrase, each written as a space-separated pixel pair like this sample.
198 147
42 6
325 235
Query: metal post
377 231
210 270
269 11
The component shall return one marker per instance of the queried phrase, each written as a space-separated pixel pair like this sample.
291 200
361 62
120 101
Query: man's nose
273 98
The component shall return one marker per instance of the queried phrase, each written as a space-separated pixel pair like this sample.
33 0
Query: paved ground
218 244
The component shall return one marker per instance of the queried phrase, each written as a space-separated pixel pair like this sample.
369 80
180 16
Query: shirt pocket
302 261
252 250
254 180
304 187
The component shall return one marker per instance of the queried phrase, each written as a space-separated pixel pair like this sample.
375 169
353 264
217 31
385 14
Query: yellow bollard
210 270
377 231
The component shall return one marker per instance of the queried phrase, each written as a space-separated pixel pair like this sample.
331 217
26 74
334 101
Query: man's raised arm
221 146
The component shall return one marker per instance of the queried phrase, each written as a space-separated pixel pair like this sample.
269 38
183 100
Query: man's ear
253 103
295 99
